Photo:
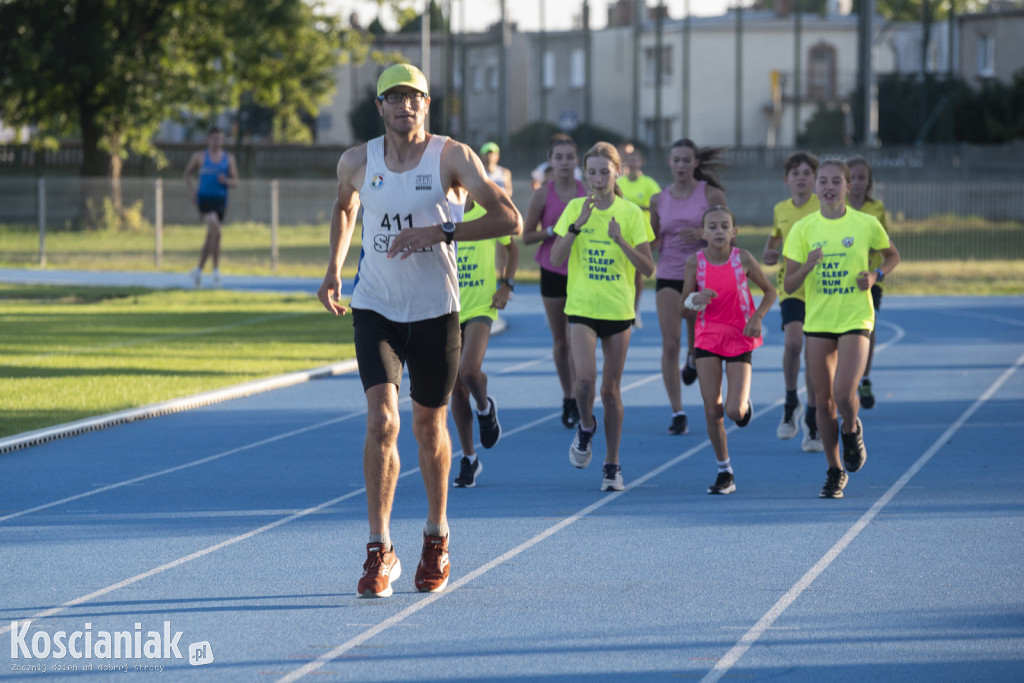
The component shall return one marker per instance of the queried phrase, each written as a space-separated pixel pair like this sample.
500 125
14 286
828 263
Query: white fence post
41 194
158 223
275 210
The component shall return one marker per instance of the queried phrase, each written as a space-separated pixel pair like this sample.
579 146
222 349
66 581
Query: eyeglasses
414 97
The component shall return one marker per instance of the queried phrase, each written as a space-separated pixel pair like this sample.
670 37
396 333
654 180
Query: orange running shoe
432 573
380 570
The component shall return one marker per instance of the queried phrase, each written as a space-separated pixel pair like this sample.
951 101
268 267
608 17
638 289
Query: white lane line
900 334
412 609
431 598
765 622
229 542
180 561
178 468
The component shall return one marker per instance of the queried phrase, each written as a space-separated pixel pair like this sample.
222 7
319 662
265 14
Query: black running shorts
430 348
212 205
662 283
603 328
553 285
742 358
792 311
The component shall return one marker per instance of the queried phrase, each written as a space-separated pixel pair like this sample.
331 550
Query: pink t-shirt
673 216
553 208
720 325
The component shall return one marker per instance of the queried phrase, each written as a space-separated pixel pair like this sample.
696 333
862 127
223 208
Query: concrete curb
91 424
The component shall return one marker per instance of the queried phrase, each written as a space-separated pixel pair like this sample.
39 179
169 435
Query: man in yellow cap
405 303
490 153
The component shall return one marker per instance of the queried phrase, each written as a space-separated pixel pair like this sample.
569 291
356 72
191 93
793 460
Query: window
651 126
478 78
985 56
821 73
492 76
549 70
578 69
651 63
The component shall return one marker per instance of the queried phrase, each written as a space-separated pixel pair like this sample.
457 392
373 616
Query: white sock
487 411
471 457
681 412
384 539
725 466
436 529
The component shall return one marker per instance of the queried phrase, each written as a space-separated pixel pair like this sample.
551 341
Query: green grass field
70 354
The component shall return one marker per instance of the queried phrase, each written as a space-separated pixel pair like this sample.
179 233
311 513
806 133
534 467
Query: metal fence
938 220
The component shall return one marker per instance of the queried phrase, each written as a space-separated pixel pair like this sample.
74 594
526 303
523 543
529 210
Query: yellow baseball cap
489 147
402 74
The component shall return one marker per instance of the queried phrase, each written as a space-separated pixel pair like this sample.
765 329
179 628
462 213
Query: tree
438 22
916 10
110 71
827 128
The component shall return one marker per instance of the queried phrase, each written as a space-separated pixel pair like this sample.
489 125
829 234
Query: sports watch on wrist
573 229
509 282
448 228
880 273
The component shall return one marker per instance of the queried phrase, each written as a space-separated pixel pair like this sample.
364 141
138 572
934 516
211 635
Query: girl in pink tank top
728 327
546 206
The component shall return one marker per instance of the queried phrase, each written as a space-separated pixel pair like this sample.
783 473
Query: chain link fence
282 225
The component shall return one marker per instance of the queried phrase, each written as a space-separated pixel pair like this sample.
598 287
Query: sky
558 14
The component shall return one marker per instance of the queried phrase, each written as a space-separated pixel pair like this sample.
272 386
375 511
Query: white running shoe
581 451
197 277
812 440
789 425
612 478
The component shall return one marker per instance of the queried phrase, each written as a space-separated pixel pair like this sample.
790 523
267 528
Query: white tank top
497 177
425 285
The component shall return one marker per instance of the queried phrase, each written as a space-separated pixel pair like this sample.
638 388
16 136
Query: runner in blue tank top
217 172
405 304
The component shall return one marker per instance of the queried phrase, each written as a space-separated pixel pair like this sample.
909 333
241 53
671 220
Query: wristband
573 229
551 231
880 273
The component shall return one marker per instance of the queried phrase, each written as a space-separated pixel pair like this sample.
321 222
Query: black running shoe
724 484
745 420
490 428
835 482
678 426
570 413
468 472
688 373
867 399
854 453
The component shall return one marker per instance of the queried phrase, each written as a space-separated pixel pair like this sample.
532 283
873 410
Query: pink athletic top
553 208
674 215
720 325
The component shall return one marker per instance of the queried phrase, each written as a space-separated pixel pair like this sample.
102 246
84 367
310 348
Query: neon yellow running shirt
786 215
600 276
874 207
477 277
834 302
